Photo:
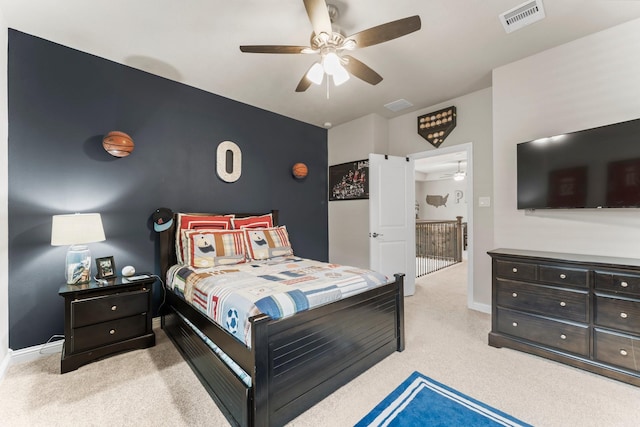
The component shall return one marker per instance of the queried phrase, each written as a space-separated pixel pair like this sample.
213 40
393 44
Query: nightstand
101 319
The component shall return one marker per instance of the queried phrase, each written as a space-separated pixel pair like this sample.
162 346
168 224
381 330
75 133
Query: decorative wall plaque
436 126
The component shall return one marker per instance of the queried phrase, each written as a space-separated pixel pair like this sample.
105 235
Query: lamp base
78 265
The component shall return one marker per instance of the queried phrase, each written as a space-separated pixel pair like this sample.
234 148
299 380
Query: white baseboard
4 364
484 308
35 352
155 322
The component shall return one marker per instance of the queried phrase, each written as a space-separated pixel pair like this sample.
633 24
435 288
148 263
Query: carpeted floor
445 341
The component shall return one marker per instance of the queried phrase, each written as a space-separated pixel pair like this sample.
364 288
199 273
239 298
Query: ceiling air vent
523 15
398 105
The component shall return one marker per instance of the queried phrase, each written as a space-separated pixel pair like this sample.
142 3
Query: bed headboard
167 240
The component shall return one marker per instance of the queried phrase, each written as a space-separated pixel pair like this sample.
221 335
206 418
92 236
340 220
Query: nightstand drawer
617 349
100 309
106 333
561 303
515 270
563 275
617 313
564 336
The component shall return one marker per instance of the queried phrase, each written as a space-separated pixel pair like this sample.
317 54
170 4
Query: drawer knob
515 324
111 332
623 352
563 336
515 270
624 315
624 284
563 276
563 304
515 295
114 307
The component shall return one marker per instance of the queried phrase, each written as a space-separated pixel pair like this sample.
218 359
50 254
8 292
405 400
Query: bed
290 363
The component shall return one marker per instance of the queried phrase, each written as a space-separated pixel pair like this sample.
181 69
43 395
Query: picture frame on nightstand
106 268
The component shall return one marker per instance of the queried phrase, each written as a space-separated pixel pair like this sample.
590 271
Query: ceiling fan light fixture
340 76
331 63
316 73
458 176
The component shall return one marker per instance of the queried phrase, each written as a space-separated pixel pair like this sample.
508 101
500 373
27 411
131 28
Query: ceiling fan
459 175
331 46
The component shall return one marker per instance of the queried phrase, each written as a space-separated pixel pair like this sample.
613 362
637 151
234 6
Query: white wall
474 125
349 219
4 179
587 83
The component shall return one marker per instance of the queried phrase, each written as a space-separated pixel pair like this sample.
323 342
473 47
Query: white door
392 217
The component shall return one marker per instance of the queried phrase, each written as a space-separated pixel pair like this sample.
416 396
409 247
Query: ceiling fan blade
385 32
304 84
273 49
319 16
361 71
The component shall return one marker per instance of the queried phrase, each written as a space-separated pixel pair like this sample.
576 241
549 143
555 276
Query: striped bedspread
278 287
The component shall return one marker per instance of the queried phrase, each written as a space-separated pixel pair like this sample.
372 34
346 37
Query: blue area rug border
391 411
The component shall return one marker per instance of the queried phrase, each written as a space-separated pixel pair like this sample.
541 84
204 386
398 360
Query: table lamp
76 230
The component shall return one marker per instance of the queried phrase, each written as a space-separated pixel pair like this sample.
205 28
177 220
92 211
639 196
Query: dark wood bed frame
294 362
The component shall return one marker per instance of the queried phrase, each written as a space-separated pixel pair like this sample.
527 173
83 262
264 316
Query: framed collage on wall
349 181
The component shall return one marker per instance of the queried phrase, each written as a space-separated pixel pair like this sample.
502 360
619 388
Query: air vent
398 105
523 15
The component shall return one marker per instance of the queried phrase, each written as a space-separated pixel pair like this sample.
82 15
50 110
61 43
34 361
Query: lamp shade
76 229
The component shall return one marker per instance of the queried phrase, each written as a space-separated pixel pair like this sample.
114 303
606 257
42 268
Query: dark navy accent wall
62 102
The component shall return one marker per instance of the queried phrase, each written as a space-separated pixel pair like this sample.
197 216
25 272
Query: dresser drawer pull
563 304
114 307
624 315
515 295
624 284
112 332
515 270
563 276
515 324
623 352
563 337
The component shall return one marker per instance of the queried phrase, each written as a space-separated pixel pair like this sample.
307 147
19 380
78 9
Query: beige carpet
445 341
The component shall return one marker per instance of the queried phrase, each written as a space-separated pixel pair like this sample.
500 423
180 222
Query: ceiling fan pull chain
328 86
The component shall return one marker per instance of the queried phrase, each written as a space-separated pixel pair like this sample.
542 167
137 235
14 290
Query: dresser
105 318
576 309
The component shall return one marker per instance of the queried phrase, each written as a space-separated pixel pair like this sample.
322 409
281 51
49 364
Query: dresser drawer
563 275
617 282
617 313
568 337
617 349
101 334
515 270
100 309
562 303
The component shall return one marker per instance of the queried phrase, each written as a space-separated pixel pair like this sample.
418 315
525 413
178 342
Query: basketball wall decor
118 144
299 171
436 126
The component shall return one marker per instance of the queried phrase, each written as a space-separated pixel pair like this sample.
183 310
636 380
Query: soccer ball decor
232 320
436 126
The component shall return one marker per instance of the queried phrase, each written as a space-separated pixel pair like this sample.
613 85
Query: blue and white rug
421 401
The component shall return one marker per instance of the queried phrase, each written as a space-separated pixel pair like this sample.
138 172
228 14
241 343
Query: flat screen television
593 168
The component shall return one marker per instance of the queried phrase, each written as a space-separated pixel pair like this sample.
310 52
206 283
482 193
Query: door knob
375 235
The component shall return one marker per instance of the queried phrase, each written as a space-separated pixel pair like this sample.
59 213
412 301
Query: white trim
484 308
35 352
468 148
155 323
5 364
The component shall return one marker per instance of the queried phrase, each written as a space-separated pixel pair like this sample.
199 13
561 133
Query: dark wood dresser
580 310
102 319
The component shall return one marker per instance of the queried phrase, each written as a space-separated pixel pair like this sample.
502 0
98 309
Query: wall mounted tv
593 168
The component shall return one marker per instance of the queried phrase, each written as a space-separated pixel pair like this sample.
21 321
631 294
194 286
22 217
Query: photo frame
106 268
349 181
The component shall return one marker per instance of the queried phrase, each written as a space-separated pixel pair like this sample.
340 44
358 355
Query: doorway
443 164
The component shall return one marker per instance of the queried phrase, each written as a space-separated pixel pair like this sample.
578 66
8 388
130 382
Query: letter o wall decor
228 161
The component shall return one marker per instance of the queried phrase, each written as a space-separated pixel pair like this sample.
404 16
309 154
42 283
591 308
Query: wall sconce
299 171
118 144
76 230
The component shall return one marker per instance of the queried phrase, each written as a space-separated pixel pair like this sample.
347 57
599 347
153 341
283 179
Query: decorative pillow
265 243
193 222
210 248
262 221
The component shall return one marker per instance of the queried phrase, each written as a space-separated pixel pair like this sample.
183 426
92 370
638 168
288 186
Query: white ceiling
196 42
